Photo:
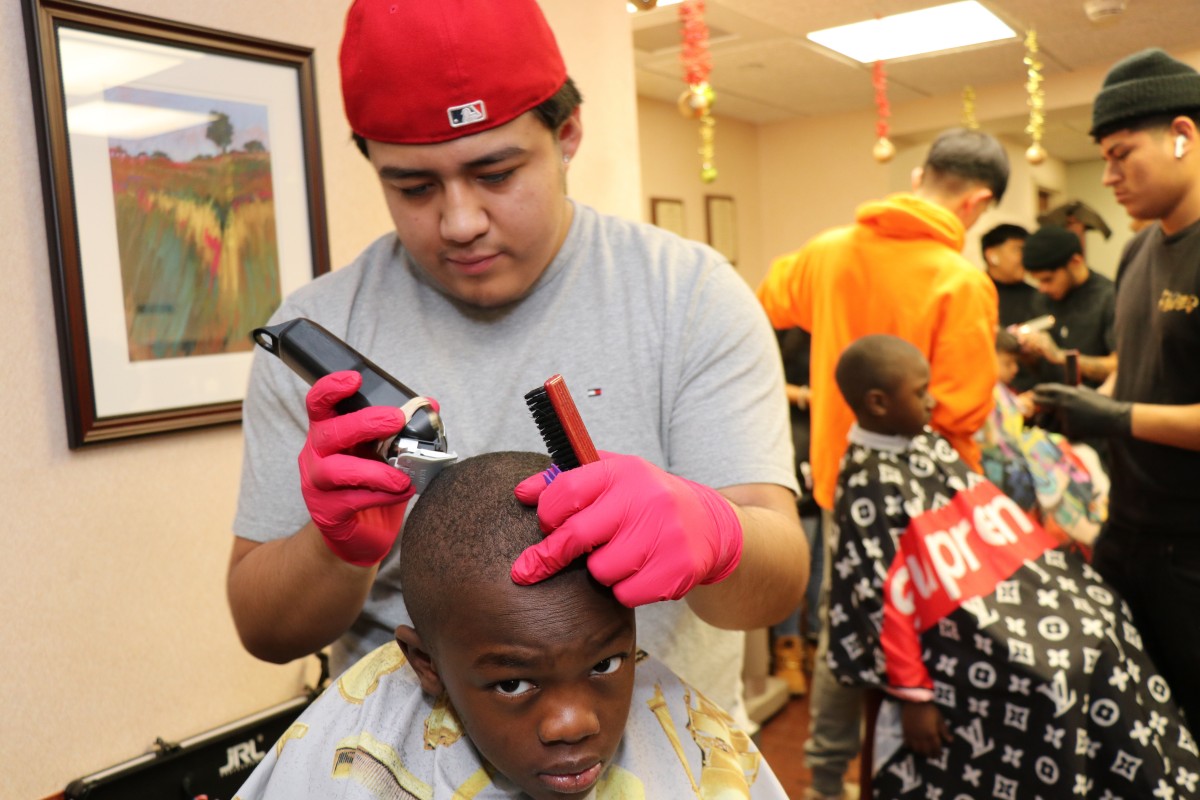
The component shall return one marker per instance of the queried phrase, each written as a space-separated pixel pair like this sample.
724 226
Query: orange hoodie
897 270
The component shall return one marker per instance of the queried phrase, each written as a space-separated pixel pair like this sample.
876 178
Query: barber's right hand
357 502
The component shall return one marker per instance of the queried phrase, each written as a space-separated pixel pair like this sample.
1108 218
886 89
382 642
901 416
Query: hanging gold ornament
697 100
1036 154
883 150
708 172
969 121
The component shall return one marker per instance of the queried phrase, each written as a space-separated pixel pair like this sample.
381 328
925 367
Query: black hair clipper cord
420 449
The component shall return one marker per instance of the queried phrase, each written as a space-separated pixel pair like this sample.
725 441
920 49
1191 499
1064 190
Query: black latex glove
1080 413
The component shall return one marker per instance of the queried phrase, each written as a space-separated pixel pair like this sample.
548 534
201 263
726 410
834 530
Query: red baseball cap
425 71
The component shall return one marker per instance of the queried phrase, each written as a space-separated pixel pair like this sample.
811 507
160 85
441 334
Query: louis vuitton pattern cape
944 590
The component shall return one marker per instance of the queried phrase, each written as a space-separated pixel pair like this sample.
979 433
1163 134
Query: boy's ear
876 402
422 662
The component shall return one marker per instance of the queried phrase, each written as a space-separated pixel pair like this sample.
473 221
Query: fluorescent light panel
94 62
929 30
633 9
129 121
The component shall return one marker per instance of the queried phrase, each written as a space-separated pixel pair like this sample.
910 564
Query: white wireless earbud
1180 141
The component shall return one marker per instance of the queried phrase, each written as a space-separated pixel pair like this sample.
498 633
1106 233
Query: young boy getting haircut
1061 485
502 691
1010 668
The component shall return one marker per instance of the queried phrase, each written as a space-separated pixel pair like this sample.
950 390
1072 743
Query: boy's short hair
1006 342
1001 234
467 527
872 362
963 155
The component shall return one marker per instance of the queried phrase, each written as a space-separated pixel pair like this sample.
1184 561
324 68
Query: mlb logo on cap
467 114
410 66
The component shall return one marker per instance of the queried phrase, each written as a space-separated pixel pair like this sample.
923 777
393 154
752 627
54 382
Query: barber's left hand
651 535
1079 412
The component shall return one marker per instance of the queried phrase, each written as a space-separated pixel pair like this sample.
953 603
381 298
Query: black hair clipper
419 450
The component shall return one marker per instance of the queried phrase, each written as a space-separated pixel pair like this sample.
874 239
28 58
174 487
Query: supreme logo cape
943 589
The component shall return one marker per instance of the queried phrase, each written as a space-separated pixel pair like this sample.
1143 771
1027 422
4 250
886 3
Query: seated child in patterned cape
1009 668
503 691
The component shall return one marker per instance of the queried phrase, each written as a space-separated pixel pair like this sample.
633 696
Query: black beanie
1145 84
1050 247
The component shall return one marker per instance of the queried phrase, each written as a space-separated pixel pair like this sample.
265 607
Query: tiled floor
782 743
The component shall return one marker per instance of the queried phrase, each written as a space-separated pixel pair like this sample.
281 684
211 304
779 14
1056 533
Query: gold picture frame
720 216
667 213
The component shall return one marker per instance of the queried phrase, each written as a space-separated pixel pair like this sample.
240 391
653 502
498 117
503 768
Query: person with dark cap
1077 217
1081 302
1145 121
898 269
492 281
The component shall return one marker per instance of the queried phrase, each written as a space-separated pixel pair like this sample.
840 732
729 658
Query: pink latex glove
357 502
651 535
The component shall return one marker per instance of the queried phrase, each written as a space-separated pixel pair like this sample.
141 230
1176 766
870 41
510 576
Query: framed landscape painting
184 200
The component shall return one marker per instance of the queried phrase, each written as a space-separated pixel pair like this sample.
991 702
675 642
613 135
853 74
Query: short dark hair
872 362
1006 342
468 528
552 112
1001 234
1050 248
964 155
1150 123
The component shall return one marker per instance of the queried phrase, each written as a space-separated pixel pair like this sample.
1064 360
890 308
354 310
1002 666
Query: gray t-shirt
664 348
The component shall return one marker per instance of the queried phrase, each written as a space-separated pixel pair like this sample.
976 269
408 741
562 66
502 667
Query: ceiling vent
1101 11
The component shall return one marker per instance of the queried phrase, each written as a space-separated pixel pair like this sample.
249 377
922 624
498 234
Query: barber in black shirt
1081 301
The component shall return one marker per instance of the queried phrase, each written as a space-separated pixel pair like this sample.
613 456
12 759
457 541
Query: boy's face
541 678
909 404
1008 367
485 214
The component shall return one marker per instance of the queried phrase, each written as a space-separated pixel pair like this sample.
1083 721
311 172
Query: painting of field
196 230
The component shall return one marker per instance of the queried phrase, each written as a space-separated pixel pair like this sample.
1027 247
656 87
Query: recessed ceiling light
929 30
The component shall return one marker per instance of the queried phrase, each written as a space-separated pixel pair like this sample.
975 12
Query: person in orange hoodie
898 270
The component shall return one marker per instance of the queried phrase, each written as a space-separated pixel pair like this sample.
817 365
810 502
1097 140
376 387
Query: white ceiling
764 70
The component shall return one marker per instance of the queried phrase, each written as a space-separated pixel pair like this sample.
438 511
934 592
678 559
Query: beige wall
813 173
669 145
112 582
